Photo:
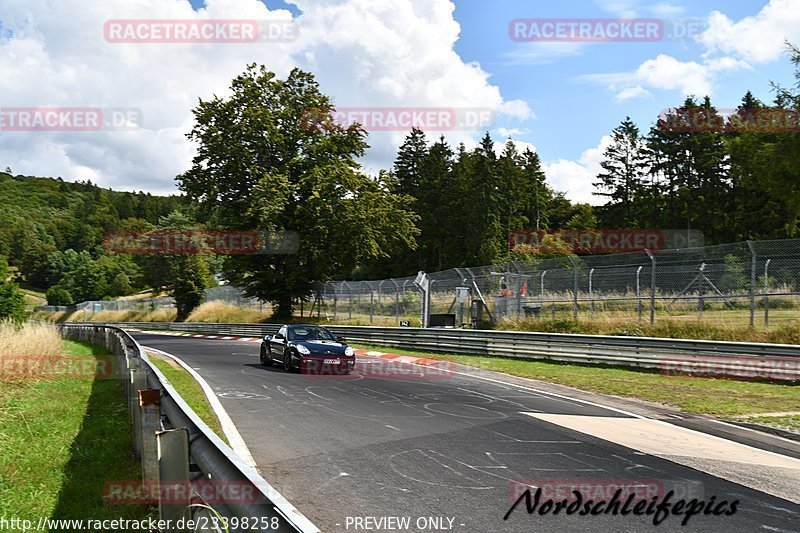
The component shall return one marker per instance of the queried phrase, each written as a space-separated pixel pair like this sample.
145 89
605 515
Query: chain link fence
754 282
751 283
223 293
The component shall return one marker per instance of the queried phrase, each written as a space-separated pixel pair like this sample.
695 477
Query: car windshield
310 333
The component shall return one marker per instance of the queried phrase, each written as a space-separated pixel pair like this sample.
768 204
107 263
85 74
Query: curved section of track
444 451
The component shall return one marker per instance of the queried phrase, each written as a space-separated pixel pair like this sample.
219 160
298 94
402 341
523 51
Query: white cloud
363 52
543 53
667 73
667 10
510 132
630 93
576 178
756 39
521 146
729 46
621 8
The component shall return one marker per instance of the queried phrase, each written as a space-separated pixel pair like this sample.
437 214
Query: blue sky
572 112
562 99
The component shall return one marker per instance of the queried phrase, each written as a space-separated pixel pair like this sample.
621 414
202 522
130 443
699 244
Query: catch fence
749 282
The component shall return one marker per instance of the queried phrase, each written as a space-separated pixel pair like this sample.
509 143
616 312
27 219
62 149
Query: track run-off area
399 446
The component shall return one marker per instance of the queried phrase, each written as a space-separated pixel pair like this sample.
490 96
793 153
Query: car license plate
331 361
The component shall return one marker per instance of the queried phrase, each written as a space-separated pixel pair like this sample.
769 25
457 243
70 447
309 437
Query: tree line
261 165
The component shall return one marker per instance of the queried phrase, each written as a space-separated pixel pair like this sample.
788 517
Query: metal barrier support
168 436
729 359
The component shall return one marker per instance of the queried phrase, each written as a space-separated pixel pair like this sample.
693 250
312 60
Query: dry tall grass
787 333
29 340
222 313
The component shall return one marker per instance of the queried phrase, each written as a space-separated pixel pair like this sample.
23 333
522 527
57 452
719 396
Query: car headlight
302 350
349 351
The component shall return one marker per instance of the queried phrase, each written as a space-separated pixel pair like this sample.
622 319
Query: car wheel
287 361
265 358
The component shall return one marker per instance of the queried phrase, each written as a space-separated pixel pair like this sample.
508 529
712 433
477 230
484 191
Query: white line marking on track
228 427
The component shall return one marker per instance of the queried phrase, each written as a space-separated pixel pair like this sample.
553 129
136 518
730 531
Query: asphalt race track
445 450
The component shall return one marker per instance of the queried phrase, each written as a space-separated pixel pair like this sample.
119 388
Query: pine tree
687 157
623 179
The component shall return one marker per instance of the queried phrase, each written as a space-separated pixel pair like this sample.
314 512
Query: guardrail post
173 471
150 423
138 381
652 286
753 266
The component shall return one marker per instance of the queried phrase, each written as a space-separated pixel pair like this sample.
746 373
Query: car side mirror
340 340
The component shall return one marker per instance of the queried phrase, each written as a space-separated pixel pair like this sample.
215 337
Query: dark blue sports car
308 349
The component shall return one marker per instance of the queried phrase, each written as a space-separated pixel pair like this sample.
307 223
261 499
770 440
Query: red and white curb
198 336
396 358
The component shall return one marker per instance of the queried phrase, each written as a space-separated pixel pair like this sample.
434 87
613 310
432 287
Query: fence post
541 291
371 302
638 293
702 292
405 283
173 473
652 286
591 301
519 287
574 288
150 417
350 298
335 301
423 283
396 302
753 266
766 293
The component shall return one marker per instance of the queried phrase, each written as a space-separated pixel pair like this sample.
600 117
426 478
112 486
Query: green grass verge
716 397
61 440
190 391
786 423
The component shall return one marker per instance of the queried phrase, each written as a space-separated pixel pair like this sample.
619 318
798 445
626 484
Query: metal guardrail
178 450
737 360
